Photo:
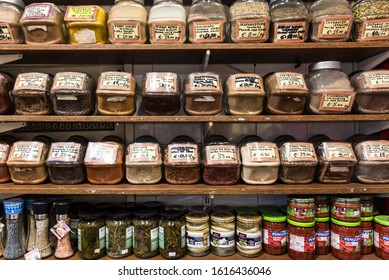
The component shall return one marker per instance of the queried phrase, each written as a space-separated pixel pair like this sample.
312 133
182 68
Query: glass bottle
10 13
172 234
7 82
14 247
63 248
41 209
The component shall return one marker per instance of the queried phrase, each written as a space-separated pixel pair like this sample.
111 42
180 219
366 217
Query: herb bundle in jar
172 234
91 235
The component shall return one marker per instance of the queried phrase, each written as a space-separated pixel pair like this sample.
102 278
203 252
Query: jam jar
301 240
274 233
381 236
346 209
367 235
6 142
322 206
249 234
145 233
222 234
346 239
323 236
367 205
301 208
197 234
172 234
10 13
6 85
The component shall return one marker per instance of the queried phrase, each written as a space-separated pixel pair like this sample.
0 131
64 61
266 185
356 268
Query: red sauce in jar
347 209
274 233
322 206
366 235
381 236
301 209
301 240
346 240
367 206
322 242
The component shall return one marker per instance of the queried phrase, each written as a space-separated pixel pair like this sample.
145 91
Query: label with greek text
251 29
375 29
335 27
376 150
161 82
69 80
143 152
185 153
26 151
337 101
167 32
377 79
41 11
248 82
339 151
262 152
208 31
101 153
64 151
300 151
292 32
204 82
115 80
125 32
81 13
288 80
6 35
31 81
221 154
302 244
4 149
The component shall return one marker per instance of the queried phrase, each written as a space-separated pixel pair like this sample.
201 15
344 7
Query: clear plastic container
6 85
207 21
10 13
6 142
167 22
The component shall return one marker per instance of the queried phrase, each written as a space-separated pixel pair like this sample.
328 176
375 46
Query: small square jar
203 94
6 142
116 94
42 23
6 85
144 161
73 93
245 94
10 13
30 94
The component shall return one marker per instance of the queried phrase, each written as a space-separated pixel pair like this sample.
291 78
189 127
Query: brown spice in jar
6 85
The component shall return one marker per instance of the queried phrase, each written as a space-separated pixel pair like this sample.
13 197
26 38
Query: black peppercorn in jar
145 233
301 240
91 235
172 234
119 234
6 85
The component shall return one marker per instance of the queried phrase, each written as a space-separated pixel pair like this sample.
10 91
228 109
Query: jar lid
8 139
140 1
78 207
40 207
382 220
301 199
19 3
250 139
197 217
321 198
242 209
171 214
282 139
322 219
200 208
62 207
366 197
91 215
119 214
13 206
272 1
153 205
158 1
145 213
222 208
43 138
248 217
113 138
318 139
346 224
299 224
28 202
127 205
268 209
181 208
345 199
367 219
222 217
195 1
182 139
78 139
105 207
325 65
146 139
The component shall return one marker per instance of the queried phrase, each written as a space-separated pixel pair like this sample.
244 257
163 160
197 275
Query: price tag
35 11
115 80
4 149
335 27
143 152
289 80
300 151
33 255
161 82
208 31
251 29
204 82
166 32
81 13
64 151
69 80
6 35
186 153
375 29
101 153
259 152
377 79
337 101
60 230
339 151
221 154
376 150
31 81
290 32
245 82
26 151
125 32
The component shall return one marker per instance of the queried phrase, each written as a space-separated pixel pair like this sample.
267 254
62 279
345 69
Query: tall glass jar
274 233
14 247
145 233
346 239
127 21
207 21
7 82
197 234
91 235
249 234
301 240
63 247
222 234
10 13
41 209
172 234
119 234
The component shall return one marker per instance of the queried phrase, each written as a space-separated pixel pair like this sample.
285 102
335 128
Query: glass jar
197 234
65 161
104 161
63 247
144 161
30 94
301 240
207 21
301 208
30 219
220 161
119 234
331 20
372 90
200 208
127 20
167 22
41 209
249 234
86 24
14 247
91 235
323 236
274 233
116 93
222 234
145 233
203 94
330 91
245 93
6 85
346 209
10 13
346 239
322 206
371 20
367 235
182 161
286 93
249 21
42 23
289 21
367 205
241 209
161 93
381 236
76 208
172 234
298 160
6 142
260 160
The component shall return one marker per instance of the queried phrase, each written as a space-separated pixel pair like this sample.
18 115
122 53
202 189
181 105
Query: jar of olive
172 234
145 233
91 235
249 234
222 234
119 234
197 233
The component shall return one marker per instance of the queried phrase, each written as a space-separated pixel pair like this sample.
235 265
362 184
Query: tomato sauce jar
381 236
366 235
301 209
274 233
322 206
301 240
346 239
347 209
322 242
367 205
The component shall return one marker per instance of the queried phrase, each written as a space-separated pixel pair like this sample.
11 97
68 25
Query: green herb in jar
91 236
119 234
145 233
172 234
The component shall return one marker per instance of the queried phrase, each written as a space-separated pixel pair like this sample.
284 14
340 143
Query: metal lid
171 215
282 139
113 138
146 139
78 139
272 1
13 206
195 1
325 65
18 3
216 138
43 138
154 205
158 1
250 139
40 207
119 214
145 213
140 1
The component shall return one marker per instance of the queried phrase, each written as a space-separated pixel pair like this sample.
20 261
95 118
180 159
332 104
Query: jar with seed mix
203 93
346 209
286 93
222 234
330 91
197 234
301 208
161 93
323 236
301 240
6 85
367 235
145 233
249 21
167 22
322 206
289 21
10 13
6 142
249 234
144 161
331 20
14 247
274 233
119 234
127 21
207 21
245 94
371 20
30 94
381 236
172 234
116 94
260 160
220 161
63 247
41 209
346 239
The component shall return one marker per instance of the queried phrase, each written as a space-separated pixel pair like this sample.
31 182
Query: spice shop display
322 206
367 235
6 85
222 234
346 239
145 233
245 94
197 234
301 240
274 233
167 22
249 21
10 13
41 209
323 236
61 230
249 234
119 234
14 247
346 208
381 236
116 93
172 234
127 22
6 142
301 208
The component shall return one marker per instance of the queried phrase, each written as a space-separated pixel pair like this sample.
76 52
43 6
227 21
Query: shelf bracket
206 60
371 62
6 58
8 126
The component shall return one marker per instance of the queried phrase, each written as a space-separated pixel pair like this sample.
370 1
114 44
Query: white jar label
292 32
225 239
288 80
143 152
301 244
337 101
31 81
249 241
116 99
69 80
377 79
204 82
4 149
125 32
183 153
81 13
196 239
115 80
221 154
85 36
161 237
208 31
262 152
376 150
161 82
26 151
275 238
300 152
154 240
375 29
101 238
248 82
64 151
339 151
251 29
101 153
38 11
166 32
6 35
335 27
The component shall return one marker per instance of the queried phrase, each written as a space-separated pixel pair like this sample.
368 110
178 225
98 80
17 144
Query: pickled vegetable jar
323 236
6 85
222 234
119 234
301 240
381 236
91 236
10 13
145 233
5 147
346 239
197 234
301 208
274 233
347 209
367 235
172 234
249 234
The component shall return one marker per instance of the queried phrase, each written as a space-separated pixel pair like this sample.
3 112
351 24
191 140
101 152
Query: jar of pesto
172 234
145 233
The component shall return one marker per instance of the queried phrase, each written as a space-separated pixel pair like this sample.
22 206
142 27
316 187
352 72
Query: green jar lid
267 208
322 219
345 224
299 224
274 217
382 220
367 219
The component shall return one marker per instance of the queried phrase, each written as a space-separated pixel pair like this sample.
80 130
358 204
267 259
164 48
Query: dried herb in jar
172 234
145 233
91 236
119 235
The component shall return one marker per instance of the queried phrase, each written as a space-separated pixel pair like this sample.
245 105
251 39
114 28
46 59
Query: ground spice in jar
172 234
249 234
323 236
301 208
301 240
6 85
367 235
41 209
63 247
381 236
10 14
346 239
222 234
347 209
197 234
274 233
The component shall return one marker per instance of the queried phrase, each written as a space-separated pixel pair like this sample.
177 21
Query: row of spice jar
286 21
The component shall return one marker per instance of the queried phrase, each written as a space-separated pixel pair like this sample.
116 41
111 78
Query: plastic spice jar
116 94
63 247
30 94
145 233
86 24
367 235
172 234
301 208
41 209
5 144
119 234
222 234
322 206
104 160
65 161
367 205
161 93
197 234
286 93
10 13
144 161
372 91
301 240
167 22
43 23
330 91
346 239
245 94
371 20
331 20
249 234
6 85
381 236
14 247
274 233
260 160
127 20
221 161
203 94
249 21
182 161
322 232
298 160
289 21
347 209
26 161
207 20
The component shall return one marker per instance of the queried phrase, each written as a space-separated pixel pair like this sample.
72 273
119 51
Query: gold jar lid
222 217
248 217
197 217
